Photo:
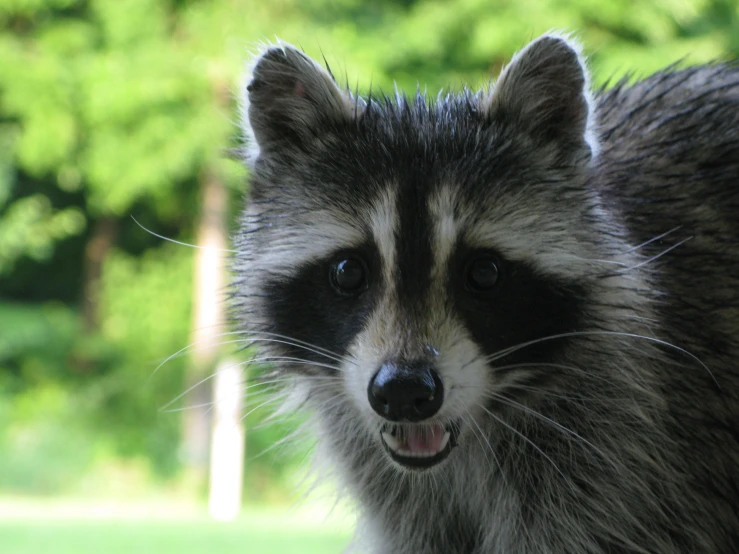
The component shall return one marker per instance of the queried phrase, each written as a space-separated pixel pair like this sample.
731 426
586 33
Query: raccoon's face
413 264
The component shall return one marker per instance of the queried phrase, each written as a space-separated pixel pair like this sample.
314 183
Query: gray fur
628 442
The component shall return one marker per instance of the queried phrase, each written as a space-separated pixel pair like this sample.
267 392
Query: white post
227 446
209 280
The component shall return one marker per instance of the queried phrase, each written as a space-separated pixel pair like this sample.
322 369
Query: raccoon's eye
349 276
481 274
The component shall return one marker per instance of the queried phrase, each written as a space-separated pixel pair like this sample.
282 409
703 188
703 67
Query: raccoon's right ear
290 100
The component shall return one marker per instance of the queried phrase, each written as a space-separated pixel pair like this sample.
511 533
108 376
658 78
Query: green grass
256 532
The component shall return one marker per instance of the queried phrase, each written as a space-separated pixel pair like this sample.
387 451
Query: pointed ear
290 100
544 92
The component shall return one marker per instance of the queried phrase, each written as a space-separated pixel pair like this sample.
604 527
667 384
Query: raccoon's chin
419 446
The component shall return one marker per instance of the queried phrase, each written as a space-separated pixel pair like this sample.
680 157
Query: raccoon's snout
406 391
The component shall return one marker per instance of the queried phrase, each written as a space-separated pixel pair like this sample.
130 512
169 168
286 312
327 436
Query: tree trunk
208 324
103 236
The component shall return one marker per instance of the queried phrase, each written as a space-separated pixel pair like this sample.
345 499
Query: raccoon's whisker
265 383
529 441
510 350
292 360
253 341
471 361
568 397
191 345
212 404
221 343
208 378
447 483
291 378
318 405
574 369
642 318
274 390
188 407
274 397
472 430
270 400
304 346
326 402
188 390
272 419
650 260
434 488
510 402
378 479
596 260
290 437
317 349
663 235
278 415
482 438
276 393
183 243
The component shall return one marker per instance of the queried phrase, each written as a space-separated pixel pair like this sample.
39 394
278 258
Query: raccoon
513 312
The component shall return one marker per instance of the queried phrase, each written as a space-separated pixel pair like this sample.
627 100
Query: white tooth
397 445
391 441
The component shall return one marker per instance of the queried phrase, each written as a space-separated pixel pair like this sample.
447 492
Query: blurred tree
106 109
118 107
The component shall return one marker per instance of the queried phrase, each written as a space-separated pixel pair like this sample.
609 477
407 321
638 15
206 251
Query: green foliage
67 396
146 302
30 331
446 44
40 425
118 107
31 227
40 416
145 310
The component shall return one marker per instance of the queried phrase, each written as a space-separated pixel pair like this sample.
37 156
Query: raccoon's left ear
290 100
544 92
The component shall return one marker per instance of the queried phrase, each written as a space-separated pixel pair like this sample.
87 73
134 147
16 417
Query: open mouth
419 446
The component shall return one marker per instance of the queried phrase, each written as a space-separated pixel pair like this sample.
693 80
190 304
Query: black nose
405 392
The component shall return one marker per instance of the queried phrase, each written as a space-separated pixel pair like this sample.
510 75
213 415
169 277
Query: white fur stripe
324 235
445 231
384 225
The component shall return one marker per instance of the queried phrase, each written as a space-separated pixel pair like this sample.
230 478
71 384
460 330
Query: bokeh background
118 109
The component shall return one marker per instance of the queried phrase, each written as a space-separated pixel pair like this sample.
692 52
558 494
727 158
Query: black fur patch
306 306
523 307
414 256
